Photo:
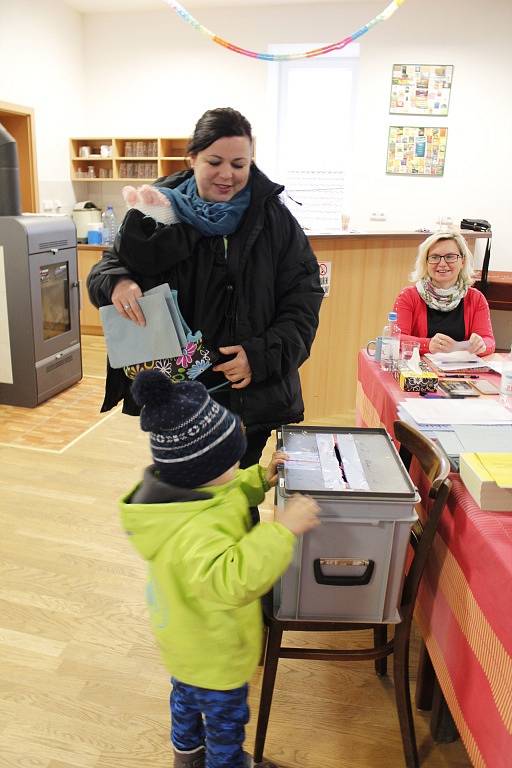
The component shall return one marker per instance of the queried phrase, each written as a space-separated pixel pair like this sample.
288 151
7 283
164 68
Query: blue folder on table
161 337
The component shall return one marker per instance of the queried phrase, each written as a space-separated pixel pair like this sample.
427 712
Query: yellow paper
499 466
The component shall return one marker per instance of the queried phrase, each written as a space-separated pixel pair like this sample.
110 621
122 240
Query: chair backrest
436 467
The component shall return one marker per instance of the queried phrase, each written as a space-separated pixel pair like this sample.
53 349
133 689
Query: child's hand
278 458
299 515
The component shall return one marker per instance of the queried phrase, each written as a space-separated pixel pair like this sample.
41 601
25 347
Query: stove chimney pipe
9 176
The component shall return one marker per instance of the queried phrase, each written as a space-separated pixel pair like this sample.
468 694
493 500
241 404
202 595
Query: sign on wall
325 276
421 89
416 151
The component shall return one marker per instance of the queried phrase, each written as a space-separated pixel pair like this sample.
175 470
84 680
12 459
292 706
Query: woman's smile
222 169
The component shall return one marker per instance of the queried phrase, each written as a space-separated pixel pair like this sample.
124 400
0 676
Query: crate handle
342 581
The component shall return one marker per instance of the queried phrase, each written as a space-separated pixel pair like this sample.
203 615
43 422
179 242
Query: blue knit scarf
208 218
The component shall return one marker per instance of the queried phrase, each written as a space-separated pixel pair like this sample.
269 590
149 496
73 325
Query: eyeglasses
450 258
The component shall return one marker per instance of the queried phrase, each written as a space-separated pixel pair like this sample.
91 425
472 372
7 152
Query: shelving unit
137 159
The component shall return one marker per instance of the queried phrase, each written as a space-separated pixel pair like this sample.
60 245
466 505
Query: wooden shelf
134 151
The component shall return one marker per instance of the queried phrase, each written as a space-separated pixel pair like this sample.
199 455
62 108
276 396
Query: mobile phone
457 388
485 387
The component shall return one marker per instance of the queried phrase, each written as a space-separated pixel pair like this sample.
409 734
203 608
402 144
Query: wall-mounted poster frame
420 89
416 151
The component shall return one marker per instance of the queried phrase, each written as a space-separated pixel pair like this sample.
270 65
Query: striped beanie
193 438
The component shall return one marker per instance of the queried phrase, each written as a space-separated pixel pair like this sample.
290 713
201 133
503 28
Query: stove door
55 301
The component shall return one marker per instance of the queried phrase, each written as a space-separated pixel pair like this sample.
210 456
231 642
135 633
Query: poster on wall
414 151
421 89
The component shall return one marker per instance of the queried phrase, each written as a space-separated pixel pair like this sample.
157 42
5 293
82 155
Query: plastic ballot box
351 567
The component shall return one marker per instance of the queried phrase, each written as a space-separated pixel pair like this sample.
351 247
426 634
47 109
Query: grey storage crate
351 567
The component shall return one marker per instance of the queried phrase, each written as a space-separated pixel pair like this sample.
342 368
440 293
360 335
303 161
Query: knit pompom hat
193 438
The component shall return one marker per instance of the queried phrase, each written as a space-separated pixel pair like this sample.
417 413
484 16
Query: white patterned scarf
444 299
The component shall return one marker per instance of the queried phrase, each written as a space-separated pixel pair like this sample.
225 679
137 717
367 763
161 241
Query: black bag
475 225
481 225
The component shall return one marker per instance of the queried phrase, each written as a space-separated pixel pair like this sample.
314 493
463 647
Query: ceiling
117 6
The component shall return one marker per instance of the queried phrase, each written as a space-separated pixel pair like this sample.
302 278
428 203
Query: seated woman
442 308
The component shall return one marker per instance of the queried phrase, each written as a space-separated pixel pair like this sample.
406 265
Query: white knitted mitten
151 202
164 214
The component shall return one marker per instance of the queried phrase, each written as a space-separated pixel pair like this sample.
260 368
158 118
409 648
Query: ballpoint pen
462 376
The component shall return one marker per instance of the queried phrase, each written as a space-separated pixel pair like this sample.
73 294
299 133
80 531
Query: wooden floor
81 684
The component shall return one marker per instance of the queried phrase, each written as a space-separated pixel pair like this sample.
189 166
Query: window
313 127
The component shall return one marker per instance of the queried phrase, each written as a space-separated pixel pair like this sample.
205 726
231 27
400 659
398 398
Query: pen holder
412 381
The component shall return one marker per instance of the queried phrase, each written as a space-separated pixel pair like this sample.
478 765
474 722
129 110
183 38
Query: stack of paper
449 362
488 478
427 413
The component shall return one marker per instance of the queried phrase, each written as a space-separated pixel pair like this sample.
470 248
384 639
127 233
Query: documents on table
476 438
449 362
499 466
468 411
482 485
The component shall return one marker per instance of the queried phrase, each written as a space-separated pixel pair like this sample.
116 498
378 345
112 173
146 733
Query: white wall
163 73
41 66
151 73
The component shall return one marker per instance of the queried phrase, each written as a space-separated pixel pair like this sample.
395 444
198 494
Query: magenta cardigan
412 318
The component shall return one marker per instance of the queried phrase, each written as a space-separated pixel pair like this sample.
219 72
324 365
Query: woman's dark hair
217 124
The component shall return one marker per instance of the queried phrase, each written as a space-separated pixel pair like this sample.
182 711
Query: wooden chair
436 468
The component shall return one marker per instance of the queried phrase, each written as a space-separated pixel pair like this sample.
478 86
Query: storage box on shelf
126 158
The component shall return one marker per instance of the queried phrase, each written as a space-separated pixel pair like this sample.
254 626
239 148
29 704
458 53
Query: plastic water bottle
390 344
108 220
506 382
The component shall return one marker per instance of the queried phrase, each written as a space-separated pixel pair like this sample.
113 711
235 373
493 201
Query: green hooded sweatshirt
207 569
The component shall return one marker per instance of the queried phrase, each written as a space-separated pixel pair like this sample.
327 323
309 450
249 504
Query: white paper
450 411
455 361
480 438
454 357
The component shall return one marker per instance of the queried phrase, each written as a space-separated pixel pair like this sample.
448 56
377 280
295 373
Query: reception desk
367 271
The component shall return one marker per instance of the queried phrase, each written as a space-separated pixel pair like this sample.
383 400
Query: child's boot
195 759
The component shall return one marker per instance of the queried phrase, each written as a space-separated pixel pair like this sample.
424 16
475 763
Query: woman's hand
476 344
278 458
124 298
441 343
236 370
146 194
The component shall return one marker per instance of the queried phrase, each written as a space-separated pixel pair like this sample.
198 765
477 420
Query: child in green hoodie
208 565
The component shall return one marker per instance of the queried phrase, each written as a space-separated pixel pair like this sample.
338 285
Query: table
464 607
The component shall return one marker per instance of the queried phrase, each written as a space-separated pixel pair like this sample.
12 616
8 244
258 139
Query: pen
462 376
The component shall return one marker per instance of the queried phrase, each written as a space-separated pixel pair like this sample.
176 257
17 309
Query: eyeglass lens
450 258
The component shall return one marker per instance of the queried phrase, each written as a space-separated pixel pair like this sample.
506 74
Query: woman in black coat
244 273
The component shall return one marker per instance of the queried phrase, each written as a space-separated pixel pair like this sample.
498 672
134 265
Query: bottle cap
392 316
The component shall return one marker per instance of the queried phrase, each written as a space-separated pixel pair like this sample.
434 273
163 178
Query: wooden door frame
19 122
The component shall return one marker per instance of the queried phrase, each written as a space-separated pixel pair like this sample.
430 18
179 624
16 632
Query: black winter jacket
262 291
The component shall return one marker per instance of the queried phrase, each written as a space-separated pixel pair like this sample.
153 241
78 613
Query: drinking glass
407 349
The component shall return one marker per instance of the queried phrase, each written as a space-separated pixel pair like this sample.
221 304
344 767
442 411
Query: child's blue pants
214 718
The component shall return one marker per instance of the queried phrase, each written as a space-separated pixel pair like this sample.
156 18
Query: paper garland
383 16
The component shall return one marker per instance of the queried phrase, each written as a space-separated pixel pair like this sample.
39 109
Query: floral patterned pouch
195 359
